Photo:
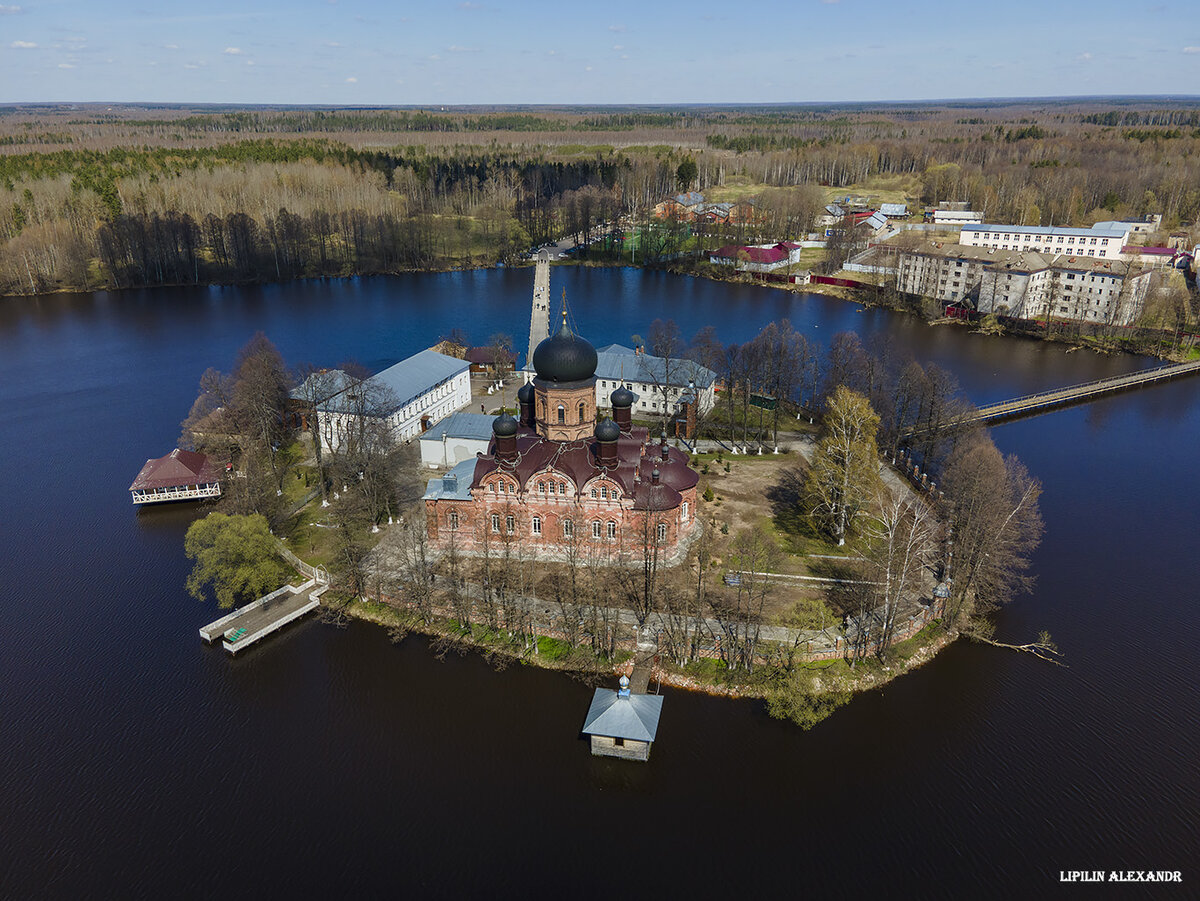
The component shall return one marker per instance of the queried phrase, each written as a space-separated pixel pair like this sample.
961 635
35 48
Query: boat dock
258 619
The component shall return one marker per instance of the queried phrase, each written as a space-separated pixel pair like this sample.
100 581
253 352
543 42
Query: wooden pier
258 619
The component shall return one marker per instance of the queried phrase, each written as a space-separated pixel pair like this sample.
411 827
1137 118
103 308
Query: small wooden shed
622 724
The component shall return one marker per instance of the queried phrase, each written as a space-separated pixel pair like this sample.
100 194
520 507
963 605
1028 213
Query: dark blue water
140 763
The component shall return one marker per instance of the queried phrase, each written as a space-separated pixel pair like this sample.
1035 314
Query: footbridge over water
1074 394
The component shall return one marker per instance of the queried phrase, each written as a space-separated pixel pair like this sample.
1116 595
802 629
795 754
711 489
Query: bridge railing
1084 388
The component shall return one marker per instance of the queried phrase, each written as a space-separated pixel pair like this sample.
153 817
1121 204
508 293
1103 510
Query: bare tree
901 541
997 525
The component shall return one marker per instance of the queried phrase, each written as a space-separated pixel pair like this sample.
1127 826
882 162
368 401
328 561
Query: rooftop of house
619 363
475 426
1099 230
405 381
634 717
176 469
454 485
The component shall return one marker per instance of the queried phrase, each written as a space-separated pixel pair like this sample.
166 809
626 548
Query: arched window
582 409
551 487
496 522
604 493
537 525
683 513
510 523
594 494
662 532
596 529
541 487
568 528
453 520
612 529
562 415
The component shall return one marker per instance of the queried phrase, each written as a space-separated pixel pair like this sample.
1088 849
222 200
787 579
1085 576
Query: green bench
234 634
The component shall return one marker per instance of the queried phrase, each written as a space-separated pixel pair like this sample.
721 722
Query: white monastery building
408 397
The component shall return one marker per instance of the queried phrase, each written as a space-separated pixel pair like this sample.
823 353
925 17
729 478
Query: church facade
557 479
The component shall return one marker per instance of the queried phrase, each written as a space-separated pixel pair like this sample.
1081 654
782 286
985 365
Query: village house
757 258
558 477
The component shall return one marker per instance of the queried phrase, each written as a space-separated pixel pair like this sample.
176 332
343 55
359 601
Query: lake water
328 762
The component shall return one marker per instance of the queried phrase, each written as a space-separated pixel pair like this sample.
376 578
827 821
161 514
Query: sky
335 52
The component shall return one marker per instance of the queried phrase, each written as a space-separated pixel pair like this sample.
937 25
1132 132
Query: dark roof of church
564 357
577 461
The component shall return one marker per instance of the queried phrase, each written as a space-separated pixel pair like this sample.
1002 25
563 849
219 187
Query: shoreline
835 692
861 296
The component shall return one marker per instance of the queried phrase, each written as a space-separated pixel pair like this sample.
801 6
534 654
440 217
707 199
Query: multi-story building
1025 284
1103 240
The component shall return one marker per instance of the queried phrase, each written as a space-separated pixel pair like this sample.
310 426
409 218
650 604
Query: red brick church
560 476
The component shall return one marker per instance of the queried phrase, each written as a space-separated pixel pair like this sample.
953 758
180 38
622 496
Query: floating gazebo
179 476
622 724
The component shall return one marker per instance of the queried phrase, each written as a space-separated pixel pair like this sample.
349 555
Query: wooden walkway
1061 397
258 619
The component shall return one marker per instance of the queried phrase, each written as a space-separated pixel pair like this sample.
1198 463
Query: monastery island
560 472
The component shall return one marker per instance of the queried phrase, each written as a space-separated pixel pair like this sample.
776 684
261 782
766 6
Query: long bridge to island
1044 401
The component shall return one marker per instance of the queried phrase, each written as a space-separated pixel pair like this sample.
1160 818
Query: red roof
752 254
176 469
1150 251
578 460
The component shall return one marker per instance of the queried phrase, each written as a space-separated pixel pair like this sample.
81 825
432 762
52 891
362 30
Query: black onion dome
504 426
622 397
525 393
564 357
607 430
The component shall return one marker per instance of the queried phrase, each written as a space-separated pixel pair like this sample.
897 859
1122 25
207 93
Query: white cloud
333 43
1191 49
587 68
66 65
469 5
617 28
233 51
249 62
23 45
1084 57
434 57
351 80
618 47
454 48
10 10
170 46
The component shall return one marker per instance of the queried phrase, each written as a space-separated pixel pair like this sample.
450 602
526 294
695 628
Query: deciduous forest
95 196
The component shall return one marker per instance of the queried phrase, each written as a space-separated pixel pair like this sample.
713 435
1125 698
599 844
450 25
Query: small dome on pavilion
525 393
